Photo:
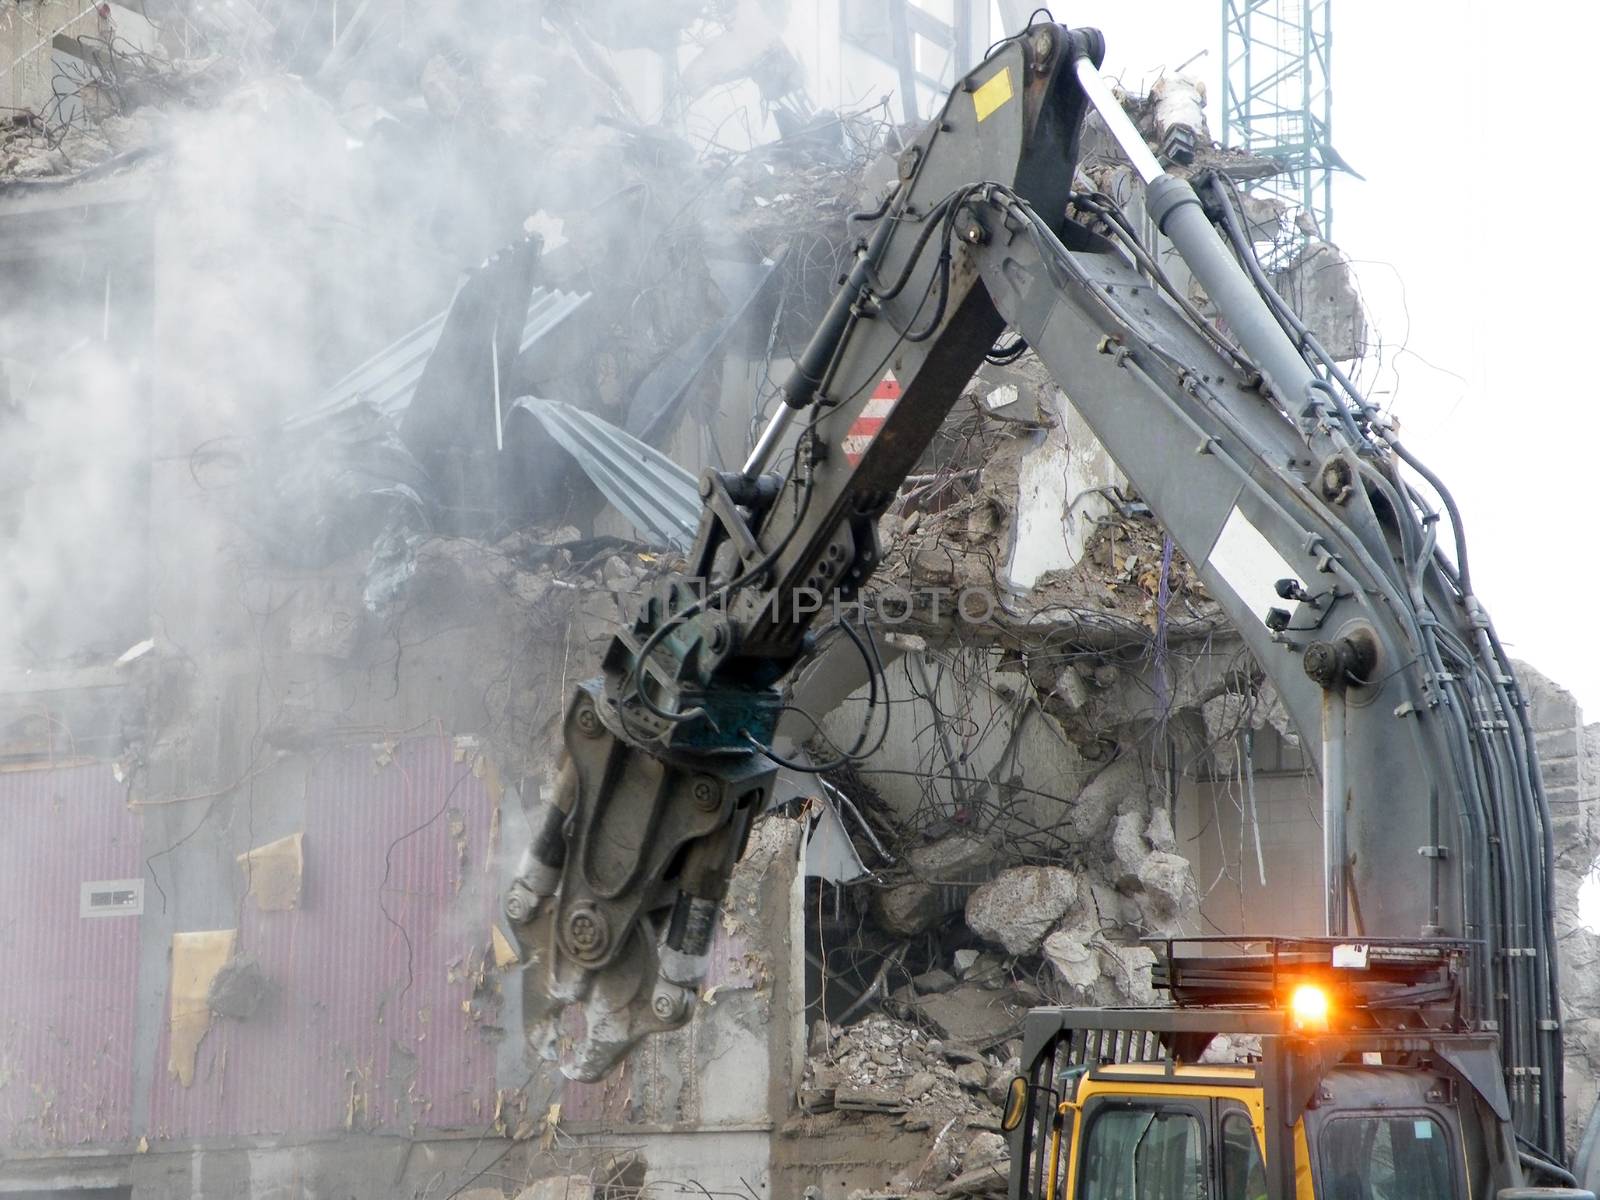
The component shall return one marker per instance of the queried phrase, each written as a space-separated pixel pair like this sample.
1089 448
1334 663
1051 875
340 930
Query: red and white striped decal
871 418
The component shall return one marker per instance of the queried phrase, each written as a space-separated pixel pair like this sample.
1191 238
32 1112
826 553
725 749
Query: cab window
1143 1154
1244 1175
1389 1157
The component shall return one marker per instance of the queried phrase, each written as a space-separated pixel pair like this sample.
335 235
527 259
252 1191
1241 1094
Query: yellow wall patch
993 94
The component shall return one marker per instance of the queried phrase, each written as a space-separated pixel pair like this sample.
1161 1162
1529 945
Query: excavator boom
1317 532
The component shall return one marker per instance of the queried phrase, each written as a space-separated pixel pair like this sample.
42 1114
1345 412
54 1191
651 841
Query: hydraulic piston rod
1176 209
1334 845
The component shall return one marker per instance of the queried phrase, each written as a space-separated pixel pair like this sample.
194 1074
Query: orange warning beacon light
1308 1008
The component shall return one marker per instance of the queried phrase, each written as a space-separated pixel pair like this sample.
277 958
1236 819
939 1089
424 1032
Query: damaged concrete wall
1249 818
38 42
1569 758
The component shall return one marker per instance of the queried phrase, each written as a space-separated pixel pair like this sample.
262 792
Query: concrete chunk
934 981
1167 881
1075 960
919 904
1018 907
973 1015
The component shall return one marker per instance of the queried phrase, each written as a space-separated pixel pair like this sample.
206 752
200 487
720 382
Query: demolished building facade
301 594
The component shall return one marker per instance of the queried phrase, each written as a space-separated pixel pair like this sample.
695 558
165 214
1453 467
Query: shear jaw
586 1021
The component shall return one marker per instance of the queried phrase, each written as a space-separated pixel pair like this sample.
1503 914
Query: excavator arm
1312 526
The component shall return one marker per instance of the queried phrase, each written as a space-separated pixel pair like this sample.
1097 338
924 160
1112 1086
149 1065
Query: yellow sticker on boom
993 94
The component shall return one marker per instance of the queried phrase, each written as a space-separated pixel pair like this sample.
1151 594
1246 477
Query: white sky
1474 123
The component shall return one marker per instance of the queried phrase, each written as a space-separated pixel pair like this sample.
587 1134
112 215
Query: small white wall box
111 898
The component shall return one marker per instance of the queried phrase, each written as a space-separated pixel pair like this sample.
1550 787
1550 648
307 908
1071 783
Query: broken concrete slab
972 1014
1019 906
919 1085
985 1148
1075 960
989 970
987 1180
869 1099
934 981
1128 846
1168 881
913 907
1320 285
1118 783
1127 974
1178 110
972 1076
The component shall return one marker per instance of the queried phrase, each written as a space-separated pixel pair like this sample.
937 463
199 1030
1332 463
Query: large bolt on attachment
588 933
520 904
588 722
706 794
1345 660
670 1003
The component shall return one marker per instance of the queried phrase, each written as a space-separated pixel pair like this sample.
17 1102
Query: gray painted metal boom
1312 526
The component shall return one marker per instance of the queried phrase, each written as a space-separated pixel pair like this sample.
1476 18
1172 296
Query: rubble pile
1311 273
108 106
1128 882
954 534
882 1069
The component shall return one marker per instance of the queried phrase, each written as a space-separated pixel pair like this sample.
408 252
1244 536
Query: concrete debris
1320 284
933 890
1099 972
1077 962
972 1076
1042 522
1169 882
1229 1048
1017 908
933 982
974 1018
1178 111
884 1065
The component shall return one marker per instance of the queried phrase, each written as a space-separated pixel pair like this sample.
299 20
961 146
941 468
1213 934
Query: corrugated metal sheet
67 1000
388 379
367 1029
658 496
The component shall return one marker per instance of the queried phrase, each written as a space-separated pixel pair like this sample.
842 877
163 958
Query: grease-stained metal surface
67 996
668 1079
372 1024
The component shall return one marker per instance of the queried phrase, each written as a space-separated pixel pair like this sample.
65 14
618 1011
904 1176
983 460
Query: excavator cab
1312 1069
